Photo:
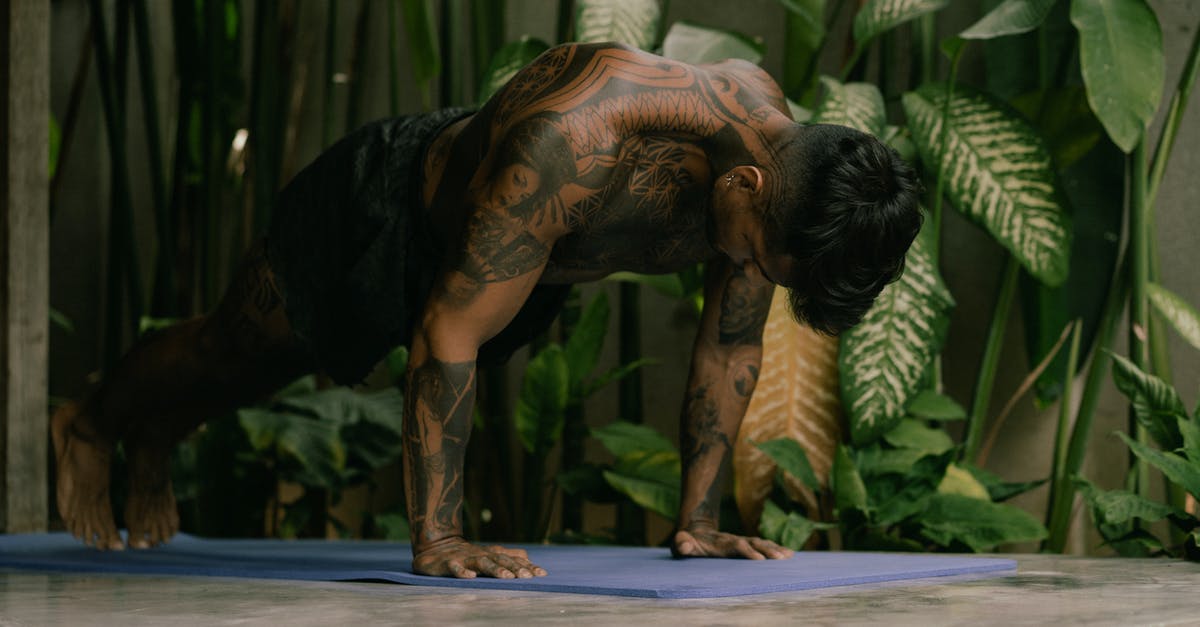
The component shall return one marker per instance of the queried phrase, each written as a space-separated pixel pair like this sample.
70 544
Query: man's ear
749 177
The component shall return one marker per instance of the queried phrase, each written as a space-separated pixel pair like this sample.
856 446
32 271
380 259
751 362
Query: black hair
850 215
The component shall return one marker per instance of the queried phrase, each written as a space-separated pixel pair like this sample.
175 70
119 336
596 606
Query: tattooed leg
163 388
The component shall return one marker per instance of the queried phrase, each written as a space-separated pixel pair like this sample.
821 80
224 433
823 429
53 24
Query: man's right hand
455 557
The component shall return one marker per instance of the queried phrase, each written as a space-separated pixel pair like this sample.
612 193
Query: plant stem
1140 268
487 26
562 31
393 76
1059 480
358 66
574 423
453 53
631 520
121 233
164 278
1062 505
331 12
991 358
926 27
939 193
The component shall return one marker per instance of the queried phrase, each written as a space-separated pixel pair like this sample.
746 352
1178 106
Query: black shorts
350 246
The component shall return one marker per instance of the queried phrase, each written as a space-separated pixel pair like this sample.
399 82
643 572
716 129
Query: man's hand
455 557
703 541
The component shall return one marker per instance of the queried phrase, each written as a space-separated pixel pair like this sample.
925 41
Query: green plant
1160 412
558 378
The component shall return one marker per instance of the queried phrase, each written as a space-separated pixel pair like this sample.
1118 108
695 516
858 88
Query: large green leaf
997 172
631 22
960 481
979 524
803 38
625 438
998 489
1177 311
695 44
849 492
309 450
1094 187
897 501
583 347
508 61
369 425
883 359
791 529
1120 54
614 374
857 105
1181 471
1065 121
874 460
1012 17
791 458
1118 507
1012 63
912 434
880 16
1155 402
929 405
1189 429
544 394
650 479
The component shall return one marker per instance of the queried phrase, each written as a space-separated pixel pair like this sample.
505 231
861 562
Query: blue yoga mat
623 571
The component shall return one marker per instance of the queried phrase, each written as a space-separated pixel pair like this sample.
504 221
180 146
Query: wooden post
24 261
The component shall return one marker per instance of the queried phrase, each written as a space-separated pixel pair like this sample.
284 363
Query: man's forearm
437 423
712 413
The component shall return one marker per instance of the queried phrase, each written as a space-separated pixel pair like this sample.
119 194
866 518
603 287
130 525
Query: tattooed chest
645 212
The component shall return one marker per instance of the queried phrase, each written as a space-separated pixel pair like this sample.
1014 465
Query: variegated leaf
1177 311
507 62
1011 17
997 172
883 359
857 105
631 22
696 44
880 16
796 397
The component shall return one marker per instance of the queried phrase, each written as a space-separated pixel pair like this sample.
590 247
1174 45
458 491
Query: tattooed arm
505 244
725 366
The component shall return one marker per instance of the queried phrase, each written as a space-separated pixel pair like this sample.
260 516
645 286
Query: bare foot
150 511
82 459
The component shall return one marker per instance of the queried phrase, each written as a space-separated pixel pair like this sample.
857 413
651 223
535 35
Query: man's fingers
519 567
744 549
459 570
489 567
771 550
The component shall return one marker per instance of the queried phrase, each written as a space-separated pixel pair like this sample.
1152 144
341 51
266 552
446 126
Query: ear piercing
729 180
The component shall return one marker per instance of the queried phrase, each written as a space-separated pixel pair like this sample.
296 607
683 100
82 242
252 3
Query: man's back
608 148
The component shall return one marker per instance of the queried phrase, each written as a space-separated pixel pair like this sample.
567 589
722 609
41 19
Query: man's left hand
708 542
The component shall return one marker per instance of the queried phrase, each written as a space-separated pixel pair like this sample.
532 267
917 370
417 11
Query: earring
729 180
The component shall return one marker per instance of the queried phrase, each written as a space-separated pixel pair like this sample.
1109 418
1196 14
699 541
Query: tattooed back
608 147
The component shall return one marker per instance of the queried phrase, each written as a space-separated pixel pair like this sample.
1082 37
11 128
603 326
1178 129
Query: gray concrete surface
1045 590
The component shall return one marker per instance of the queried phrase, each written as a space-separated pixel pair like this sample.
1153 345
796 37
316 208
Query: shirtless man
456 234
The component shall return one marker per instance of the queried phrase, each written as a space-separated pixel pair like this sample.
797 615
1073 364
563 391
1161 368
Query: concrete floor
1045 590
